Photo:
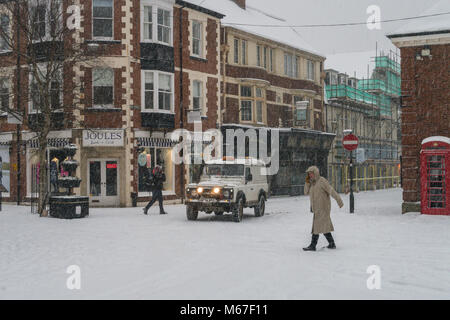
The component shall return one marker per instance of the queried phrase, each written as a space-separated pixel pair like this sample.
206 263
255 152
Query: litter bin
134 199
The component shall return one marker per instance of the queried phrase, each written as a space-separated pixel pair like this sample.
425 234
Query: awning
155 142
5 139
51 142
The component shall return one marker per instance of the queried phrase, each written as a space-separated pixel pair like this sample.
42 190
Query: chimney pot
240 3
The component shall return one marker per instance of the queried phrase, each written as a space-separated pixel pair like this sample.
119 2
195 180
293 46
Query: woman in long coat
319 191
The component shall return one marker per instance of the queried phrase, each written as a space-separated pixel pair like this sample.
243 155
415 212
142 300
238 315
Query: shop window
103 87
156 156
102 19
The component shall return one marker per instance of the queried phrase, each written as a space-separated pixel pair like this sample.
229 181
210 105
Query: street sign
350 142
360 155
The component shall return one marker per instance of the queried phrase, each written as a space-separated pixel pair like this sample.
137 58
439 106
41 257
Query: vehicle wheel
238 211
261 207
218 213
191 213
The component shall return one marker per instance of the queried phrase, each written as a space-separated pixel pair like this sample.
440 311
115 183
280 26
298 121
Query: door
434 197
103 182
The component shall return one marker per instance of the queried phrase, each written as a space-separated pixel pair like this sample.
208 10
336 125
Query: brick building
128 100
425 54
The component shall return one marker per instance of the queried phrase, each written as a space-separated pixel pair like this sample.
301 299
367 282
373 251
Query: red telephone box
435 176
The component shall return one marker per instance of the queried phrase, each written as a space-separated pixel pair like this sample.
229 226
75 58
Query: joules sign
103 138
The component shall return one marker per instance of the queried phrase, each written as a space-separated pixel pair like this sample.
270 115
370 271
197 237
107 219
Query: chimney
240 3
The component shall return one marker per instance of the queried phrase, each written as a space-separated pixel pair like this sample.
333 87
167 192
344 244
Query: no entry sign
350 142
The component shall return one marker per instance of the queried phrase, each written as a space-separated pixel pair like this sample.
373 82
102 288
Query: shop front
102 167
151 152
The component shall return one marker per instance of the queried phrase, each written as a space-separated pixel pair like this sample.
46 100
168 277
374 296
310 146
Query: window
4 95
258 56
149 90
156 156
55 94
38 14
197 96
158 91
246 110
197 46
165 92
301 114
164 27
265 57
236 50
272 56
102 16
259 97
103 87
246 105
4 33
148 23
290 65
36 98
244 52
5 167
259 111
311 75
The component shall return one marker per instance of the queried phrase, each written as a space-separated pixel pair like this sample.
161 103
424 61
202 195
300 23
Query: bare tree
40 46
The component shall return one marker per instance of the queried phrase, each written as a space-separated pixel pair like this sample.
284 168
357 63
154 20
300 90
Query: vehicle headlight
216 190
199 189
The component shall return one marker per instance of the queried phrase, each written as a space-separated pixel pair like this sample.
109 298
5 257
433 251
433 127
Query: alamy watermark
374 19
73 282
203 146
374 280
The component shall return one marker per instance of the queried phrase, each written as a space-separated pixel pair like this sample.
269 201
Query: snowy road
125 254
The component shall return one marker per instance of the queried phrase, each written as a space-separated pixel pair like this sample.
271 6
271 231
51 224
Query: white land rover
228 186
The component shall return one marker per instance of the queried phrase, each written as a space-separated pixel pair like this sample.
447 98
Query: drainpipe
181 91
18 129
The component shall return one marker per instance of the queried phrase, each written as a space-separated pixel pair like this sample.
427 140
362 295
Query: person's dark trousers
312 246
331 244
156 195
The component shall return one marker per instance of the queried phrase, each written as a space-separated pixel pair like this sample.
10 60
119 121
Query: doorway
103 182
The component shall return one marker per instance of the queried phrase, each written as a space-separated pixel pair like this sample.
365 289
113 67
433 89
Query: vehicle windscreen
233 170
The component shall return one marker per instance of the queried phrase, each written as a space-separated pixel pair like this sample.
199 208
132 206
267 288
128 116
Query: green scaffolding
376 92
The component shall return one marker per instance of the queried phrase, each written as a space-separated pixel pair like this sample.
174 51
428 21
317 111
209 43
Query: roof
428 25
200 8
256 21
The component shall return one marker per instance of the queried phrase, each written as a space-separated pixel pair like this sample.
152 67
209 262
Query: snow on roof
256 21
428 24
436 138
351 63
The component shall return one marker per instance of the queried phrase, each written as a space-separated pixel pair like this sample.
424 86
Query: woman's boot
331 244
312 246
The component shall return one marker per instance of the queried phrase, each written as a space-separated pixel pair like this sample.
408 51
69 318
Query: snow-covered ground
125 254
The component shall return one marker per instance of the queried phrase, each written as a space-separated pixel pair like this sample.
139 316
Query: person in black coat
157 180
